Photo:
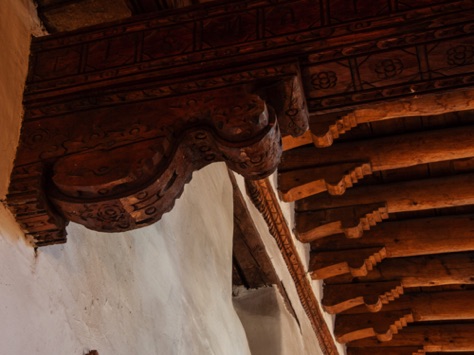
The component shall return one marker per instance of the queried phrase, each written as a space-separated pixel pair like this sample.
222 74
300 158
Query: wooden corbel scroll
113 152
117 116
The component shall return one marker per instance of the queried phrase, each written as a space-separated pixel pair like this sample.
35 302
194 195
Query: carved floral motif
389 68
460 55
324 80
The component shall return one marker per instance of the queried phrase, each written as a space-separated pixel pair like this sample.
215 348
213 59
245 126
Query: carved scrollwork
122 167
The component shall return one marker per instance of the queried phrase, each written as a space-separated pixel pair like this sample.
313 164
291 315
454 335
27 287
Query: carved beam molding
392 240
121 167
431 306
264 198
362 207
389 280
118 116
304 172
455 337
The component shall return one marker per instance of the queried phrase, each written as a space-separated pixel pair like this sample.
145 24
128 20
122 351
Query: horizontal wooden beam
422 307
338 298
420 236
359 208
401 350
455 337
324 129
418 271
304 172
392 240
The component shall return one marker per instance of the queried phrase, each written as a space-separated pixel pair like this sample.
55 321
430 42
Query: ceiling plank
393 240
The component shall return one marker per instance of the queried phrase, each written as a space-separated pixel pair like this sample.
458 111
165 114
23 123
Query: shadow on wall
270 328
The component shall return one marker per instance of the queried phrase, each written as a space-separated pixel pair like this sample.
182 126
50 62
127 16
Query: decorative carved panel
117 116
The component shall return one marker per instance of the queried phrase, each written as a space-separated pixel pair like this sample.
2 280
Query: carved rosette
135 189
121 168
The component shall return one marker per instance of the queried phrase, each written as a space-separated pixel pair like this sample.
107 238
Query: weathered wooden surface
361 207
96 92
436 306
304 172
455 337
324 128
120 168
419 271
393 240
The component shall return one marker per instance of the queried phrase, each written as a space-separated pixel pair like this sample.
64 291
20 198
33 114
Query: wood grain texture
319 216
436 306
324 128
428 236
120 168
333 171
455 337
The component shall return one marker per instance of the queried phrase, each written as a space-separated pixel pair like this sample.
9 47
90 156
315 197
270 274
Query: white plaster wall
311 345
165 289
271 329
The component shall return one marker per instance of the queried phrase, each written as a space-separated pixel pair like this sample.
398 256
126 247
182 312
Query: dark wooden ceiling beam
422 307
401 350
455 337
325 128
419 271
362 207
418 236
387 281
340 166
393 240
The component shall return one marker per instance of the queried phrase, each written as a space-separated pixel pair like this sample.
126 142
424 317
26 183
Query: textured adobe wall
161 290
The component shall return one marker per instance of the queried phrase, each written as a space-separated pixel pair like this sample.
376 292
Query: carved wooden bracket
117 116
121 167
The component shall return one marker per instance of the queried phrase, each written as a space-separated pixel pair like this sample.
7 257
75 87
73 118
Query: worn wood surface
436 306
360 208
303 173
324 128
455 337
397 239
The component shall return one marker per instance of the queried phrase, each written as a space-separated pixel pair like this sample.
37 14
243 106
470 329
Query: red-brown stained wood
341 297
340 166
92 92
362 207
392 240
119 168
429 270
324 129
444 338
401 350
409 308
434 235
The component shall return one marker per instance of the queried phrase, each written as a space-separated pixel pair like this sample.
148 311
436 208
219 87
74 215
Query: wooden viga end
121 166
383 190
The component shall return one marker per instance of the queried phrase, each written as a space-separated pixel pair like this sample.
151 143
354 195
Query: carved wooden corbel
121 167
181 89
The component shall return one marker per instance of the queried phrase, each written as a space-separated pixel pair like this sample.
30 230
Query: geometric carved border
264 198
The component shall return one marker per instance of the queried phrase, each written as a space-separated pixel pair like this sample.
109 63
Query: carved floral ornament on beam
118 116
122 167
